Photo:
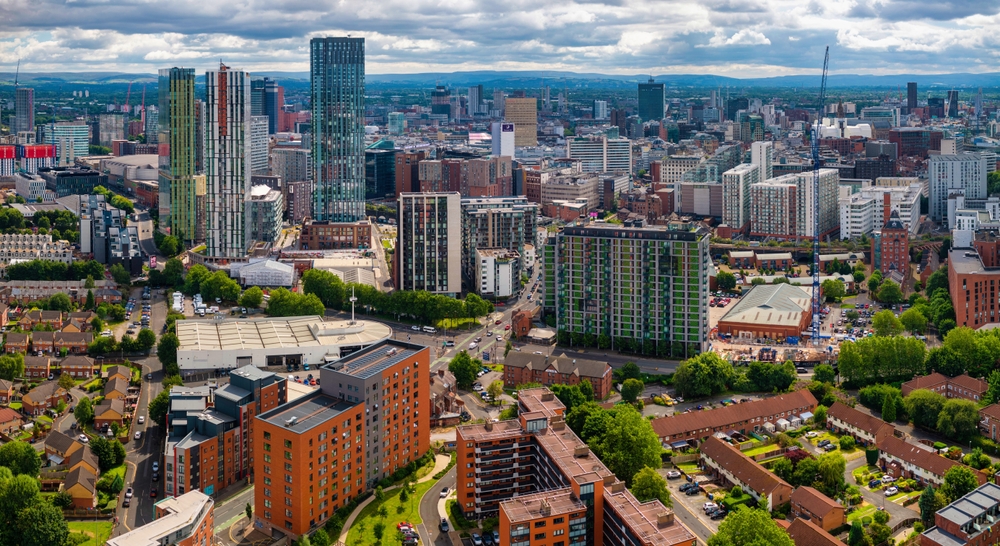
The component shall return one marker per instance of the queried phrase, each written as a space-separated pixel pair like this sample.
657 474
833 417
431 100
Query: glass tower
338 119
651 101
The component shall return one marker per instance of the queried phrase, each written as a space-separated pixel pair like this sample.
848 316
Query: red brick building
970 520
973 280
520 368
866 429
962 386
891 244
729 464
16 342
335 235
744 418
807 533
43 397
901 459
775 311
810 504
407 173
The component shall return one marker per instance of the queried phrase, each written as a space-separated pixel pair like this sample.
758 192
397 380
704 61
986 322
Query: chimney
441 372
557 425
664 519
548 396
886 208
544 508
489 426
581 451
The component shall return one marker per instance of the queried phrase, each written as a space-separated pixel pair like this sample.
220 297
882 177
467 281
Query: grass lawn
98 531
825 435
386 243
425 470
903 497
865 510
16 406
44 419
688 468
762 449
847 306
362 531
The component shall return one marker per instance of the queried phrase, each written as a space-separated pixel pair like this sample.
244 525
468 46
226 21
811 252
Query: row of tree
879 359
48 270
708 374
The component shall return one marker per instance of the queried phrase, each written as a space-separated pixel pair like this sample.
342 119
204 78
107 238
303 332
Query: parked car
709 506
154 492
444 492
415 328
444 525
156 466
888 479
142 419
823 443
496 537
718 514
673 474
692 492
84 438
891 491
874 484
128 493
477 540
138 434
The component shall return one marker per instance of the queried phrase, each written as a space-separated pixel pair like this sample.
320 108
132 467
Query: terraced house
866 429
729 464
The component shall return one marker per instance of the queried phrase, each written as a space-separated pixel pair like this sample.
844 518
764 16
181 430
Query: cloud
742 37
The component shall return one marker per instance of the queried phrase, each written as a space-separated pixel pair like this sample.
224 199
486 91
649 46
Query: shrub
918 527
866 521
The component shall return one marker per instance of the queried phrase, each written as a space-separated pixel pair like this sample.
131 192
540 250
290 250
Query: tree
928 505
157 406
464 368
66 381
959 419
783 469
577 417
84 411
805 472
507 348
220 286
824 373
914 321
833 289
104 452
41 524
495 390
166 349
703 375
725 280
923 407
648 484
97 324
889 409
992 395
857 535
830 467
20 458
890 293
958 481
252 297
881 516
629 370
748 527
885 324
320 538
628 444
327 286
89 304
60 302
249 511
846 443
122 277
977 459
819 416
378 529
146 339
631 389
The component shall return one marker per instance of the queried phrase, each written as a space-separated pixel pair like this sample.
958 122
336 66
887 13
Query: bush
846 443
918 527
866 521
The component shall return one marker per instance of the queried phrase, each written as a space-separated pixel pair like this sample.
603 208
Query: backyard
97 532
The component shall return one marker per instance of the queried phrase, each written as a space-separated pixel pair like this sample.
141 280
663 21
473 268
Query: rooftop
776 305
540 505
183 512
306 412
375 359
652 522
542 400
272 333
686 423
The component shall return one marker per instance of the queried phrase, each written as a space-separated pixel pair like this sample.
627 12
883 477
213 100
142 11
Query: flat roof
542 505
643 519
183 511
966 261
309 411
541 400
375 359
274 333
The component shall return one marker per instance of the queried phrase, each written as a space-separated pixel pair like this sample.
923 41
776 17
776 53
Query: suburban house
6 391
902 459
83 458
17 342
807 533
74 342
520 368
81 484
78 366
727 463
962 386
744 418
43 397
10 421
109 411
59 446
31 319
810 504
866 429
120 372
446 406
37 366
116 388
43 341
78 321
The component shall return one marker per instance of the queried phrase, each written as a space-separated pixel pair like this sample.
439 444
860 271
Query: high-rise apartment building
291 164
475 105
258 145
257 84
498 103
71 140
733 106
523 113
338 119
407 171
644 286
178 188
152 119
24 110
228 154
274 102
651 101
783 208
911 97
397 123
369 418
503 134
507 223
600 109
600 154
862 213
762 153
111 128
429 245
441 101
267 207
736 184
965 173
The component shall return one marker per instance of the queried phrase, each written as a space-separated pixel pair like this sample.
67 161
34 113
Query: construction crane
128 95
815 203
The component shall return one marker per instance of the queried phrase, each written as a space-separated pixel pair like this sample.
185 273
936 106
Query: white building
672 168
950 173
736 184
177 519
863 212
211 345
762 153
19 247
600 109
72 140
503 139
498 272
599 154
258 144
264 273
267 206
32 187
227 163
782 207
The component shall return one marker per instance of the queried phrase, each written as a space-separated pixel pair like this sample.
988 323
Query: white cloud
742 37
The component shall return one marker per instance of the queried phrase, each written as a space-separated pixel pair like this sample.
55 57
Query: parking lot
694 503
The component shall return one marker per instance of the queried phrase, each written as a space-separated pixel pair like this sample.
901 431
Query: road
230 516
430 533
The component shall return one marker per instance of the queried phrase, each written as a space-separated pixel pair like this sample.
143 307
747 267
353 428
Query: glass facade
177 150
338 117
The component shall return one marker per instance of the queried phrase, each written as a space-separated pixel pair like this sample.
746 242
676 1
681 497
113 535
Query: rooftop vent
291 421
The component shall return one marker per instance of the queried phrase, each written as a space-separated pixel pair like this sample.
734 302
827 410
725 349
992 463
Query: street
430 532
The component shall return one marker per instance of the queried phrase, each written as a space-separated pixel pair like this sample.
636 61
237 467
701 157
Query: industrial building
776 311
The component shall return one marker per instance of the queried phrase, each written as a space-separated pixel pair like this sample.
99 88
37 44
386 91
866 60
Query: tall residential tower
177 149
24 110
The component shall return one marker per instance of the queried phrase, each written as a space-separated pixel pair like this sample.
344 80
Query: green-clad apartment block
177 149
636 288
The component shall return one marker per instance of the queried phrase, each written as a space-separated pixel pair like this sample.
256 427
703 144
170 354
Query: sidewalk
440 463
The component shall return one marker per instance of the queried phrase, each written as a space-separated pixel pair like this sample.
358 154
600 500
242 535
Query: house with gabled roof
81 484
866 429
521 368
729 464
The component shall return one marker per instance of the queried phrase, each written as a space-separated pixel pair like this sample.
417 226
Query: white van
430 330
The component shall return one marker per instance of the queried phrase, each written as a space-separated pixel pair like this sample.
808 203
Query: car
403 524
415 328
498 322
444 525
444 492
489 333
830 447
687 486
673 474
128 493
812 434
874 484
496 537
51 376
800 370
891 491
84 438
138 434
822 443
154 492
477 540
487 539
718 514
692 492
888 479
708 506
126 502
156 476
156 466
499 338
478 339
73 425
142 419
506 327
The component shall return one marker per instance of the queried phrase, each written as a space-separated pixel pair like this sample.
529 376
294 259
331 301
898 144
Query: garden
89 533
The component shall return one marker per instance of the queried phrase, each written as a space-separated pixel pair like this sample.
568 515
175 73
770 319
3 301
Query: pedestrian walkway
440 463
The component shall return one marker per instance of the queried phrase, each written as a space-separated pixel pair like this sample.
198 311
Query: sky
738 38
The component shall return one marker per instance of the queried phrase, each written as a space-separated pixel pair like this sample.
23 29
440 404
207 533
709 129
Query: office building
508 223
871 168
916 141
258 145
651 101
911 97
762 153
106 235
111 128
948 174
71 140
209 431
24 110
952 104
380 170
63 181
544 483
600 109
441 101
267 208
503 134
320 451
523 113
338 121
475 100
257 84
180 197
274 103
429 246
644 284
291 164
571 187
397 123
751 127
599 154
227 162
736 184
184 520
32 188
151 116
876 148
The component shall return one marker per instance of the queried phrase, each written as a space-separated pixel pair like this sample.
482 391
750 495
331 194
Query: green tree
959 419
60 302
992 395
378 529
914 321
89 304
703 375
464 368
857 535
819 416
122 277
846 443
648 484
507 348
923 407
169 246
831 468
249 512
725 280
885 324
577 417
587 390
890 293
977 459
220 286
20 458
805 472
84 411
166 350
756 281
783 468
66 381
97 324
833 289
495 390
146 339
252 297
629 370
321 538
824 373
748 527
631 389
11 366
628 444
41 524
158 406
327 286
871 456
928 505
958 481
570 395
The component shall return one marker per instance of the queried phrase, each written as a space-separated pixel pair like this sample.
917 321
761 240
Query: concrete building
744 418
292 341
916 141
503 134
651 101
811 505
267 208
498 272
335 235
32 157
291 164
862 213
963 386
32 188
905 460
673 167
259 144
573 187
18 247
736 184
782 207
24 110
185 520
71 139
948 174
612 280
429 245
106 235
63 181
508 223
866 429
599 154
523 113
111 127
762 153
181 193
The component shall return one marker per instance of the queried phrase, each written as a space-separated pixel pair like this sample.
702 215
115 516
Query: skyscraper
258 144
441 101
600 109
338 119
952 104
257 84
475 100
429 249
228 155
523 113
911 97
178 196
274 100
651 100
762 153
24 110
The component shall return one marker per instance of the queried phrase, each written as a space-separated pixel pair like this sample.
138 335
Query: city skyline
763 38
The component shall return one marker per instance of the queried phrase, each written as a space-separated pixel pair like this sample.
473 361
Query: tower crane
128 95
815 203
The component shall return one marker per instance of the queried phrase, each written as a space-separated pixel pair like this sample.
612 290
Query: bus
430 330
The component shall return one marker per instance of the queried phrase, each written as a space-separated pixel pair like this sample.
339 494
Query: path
440 463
